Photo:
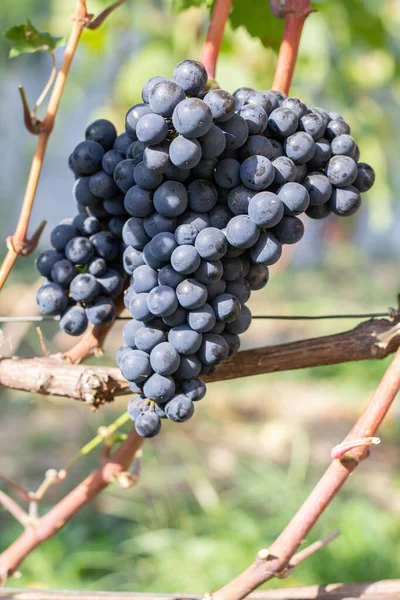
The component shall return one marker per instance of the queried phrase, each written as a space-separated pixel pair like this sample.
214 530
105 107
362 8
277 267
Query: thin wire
40 319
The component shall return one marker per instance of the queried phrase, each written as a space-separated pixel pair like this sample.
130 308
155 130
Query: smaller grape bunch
219 183
83 269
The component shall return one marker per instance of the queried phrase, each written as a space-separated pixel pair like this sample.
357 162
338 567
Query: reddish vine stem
285 546
215 34
295 13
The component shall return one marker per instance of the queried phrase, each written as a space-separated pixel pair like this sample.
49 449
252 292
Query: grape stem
215 34
294 12
18 244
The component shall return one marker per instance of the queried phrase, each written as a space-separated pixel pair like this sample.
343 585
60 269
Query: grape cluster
214 185
83 269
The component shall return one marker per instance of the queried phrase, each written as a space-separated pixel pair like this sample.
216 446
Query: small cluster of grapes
83 270
217 182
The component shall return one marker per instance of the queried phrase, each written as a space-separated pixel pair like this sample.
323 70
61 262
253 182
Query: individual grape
194 389
61 235
146 179
239 198
258 276
192 118
176 173
147 424
242 232
220 216
215 289
185 259
277 148
285 170
282 122
262 99
164 96
323 114
226 307
296 105
162 301
147 338
191 294
82 193
227 173
266 209
341 171
149 85
343 144
239 288
102 185
202 195
240 96
131 259
129 293
221 103
122 142
164 359
191 76
299 147
335 128
289 230
124 174
209 271
106 245
212 143
267 250
101 312
319 212
213 349
179 409
168 276
87 157
79 250
84 288
115 206
138 202
233 341
257 173
322 154
170 199
189 367
345 201
133 116
151 129
156 158
159 388
156 223
211 244
135 365
295 198
256 145
51 299
204 169
150 260
90 226
111 159
185 340
129 331
199 220
185 153
136 405
236 132
241 324
233 268
133 233
365 177
46 260
162 246
111 283
313 124
135 152
74 321
63 272
318 187
185 234
201 319
139 308
177 318
255 117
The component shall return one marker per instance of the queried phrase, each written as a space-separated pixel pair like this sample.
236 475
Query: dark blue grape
129 294
220 216
218 329
87 157
277 148
170 199
227 173
344 144
256 145
233 268
137 406
133 233
135 152
149 85
201 319
257 276
132 118
255 117
135 365
164 96
90 226
365 177
148 337
236 132
150 259
336 127
212 143
132 259
162 301
156 223
51 299
241 324
102 185
111 159
115 206
185 153
257 172
313 124
177 318
63 272
179 409
267 250
189 367
266 209
146 179
199 220
322 154
138 202
285 170
144 279
124 174
74 321
233 341
209 271
202 195
240 96
345 201
263 99
84 287
103 132
176 173
226 307
82 193
194 389
185 234
46 260
61 235
168 276
156 158
300 147
295 198
111 283
147 424
239 288
191 294
192 118
211 244
151 129
242 232
296 105
318 187
79 250
162 246
289 230
122 142
139 309
213 349
221 103
185 259
215 289
282 122
106 245
129 332
341 171
191 76
159 388
184 339
164 359
319 212
239 198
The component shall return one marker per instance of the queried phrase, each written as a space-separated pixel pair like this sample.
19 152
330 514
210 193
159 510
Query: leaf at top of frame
26 38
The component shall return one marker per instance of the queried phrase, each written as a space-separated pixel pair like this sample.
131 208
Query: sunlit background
218 488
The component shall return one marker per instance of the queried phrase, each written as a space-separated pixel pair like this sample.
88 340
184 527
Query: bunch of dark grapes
83 269
214 185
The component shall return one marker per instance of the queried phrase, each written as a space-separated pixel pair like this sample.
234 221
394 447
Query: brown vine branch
295 13
13 508
47 87
215 34
285 546
48 525
374 339
98 21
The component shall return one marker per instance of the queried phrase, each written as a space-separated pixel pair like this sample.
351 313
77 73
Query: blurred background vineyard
223 485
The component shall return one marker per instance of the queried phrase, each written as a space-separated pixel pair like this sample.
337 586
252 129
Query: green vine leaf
258 20
26 38
180 5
